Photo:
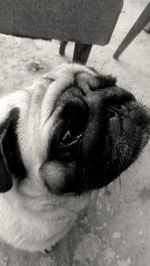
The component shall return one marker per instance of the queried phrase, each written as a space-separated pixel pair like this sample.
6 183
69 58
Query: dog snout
117 97
123 112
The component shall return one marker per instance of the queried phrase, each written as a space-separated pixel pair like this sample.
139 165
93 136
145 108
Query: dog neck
36 223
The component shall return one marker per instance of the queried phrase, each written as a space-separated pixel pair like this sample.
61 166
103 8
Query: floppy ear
11 164
105 80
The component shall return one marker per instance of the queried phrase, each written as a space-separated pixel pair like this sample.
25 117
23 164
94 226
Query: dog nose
117 98
117 95
116 102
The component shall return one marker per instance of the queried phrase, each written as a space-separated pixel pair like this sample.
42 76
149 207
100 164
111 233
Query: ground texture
116 232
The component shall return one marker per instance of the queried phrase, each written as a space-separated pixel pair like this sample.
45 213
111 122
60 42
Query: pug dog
73 131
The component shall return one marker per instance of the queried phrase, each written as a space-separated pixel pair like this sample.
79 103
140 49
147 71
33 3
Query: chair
84 22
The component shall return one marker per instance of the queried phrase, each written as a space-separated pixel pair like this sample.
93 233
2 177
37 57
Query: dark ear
104 80
107 81
11 164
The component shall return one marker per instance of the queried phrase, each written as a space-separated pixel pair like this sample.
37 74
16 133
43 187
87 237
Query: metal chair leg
134 31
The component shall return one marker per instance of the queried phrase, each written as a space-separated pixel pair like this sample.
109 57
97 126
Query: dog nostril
117 106
111 113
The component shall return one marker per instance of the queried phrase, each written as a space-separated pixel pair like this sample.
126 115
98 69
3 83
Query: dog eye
68 139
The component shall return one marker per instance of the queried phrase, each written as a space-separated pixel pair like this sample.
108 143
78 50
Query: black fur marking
109 144
5 175
106 81
10 157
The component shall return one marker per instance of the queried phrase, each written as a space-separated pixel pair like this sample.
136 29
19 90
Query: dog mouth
96 140
119 147
70 128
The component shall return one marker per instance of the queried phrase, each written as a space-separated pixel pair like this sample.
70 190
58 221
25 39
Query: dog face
72 132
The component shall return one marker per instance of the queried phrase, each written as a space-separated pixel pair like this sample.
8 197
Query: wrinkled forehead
67 75
52 85
70 70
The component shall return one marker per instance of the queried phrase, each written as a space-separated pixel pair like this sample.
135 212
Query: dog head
73 131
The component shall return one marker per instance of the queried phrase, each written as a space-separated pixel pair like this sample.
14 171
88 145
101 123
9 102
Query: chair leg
147 28
81 52
62 47
134 31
